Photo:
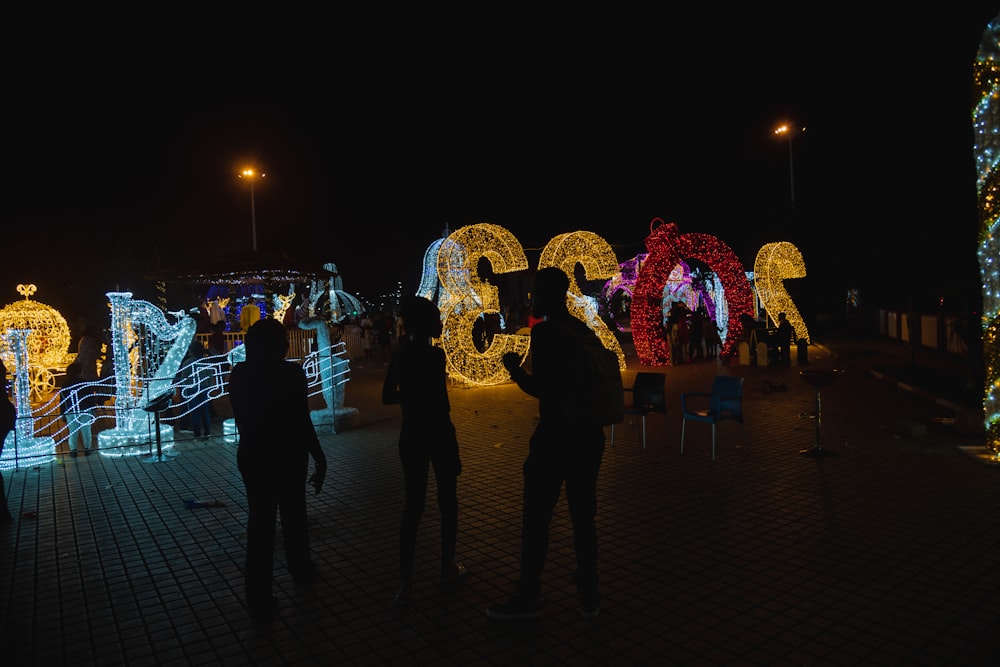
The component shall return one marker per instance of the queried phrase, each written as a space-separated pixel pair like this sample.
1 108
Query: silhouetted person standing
417 380
563 449
783 339
270 404
8 417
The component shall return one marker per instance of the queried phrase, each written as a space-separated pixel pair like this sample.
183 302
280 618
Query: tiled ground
886 553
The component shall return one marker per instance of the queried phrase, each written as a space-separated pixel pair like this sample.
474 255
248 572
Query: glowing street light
789 131
251 176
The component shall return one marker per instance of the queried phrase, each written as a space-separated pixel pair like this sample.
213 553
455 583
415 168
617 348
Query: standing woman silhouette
417 381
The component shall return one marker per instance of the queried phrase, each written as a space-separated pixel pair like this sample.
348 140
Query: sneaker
404 596
516 608
591 608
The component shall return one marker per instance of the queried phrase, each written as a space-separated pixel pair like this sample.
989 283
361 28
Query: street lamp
790 132
251 176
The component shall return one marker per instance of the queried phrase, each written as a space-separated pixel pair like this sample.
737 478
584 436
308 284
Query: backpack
600 394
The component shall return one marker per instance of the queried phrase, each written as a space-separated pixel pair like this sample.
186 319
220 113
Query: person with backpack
565 448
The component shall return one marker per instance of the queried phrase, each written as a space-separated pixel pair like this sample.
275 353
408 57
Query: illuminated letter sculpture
598 261
467 298
774 263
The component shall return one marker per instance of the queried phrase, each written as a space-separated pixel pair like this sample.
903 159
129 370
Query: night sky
123 162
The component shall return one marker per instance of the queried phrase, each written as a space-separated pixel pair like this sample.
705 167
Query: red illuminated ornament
667 249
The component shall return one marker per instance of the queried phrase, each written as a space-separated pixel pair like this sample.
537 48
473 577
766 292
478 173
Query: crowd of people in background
693 335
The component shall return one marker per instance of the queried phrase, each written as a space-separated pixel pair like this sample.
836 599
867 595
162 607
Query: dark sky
122 161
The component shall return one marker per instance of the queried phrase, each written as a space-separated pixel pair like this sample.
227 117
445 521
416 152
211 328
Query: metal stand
156 406
818 378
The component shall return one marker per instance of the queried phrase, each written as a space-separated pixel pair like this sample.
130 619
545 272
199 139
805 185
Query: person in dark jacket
563 449
269 397
417 380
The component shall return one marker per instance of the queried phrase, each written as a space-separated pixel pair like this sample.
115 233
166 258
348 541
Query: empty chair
647 397
724 402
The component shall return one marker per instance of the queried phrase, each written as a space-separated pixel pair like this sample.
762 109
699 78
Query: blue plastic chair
724 402
648 392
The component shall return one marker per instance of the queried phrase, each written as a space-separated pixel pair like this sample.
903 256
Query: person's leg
581 496
74 423
415 462
294 529
262 509
5 516
447 468
86 437
542 484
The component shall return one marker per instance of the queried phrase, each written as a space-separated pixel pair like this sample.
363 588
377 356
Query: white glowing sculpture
134 429
21 443
599 262
775 262
332 369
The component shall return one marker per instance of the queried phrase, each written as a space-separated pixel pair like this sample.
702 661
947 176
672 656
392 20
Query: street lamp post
790 132
251 176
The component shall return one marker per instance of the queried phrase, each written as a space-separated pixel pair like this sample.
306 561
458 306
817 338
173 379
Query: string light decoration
774 263
986 149
142 374
667 249
466 298
281 303
598 260
333 373
49 339
342 304
430 287
21 443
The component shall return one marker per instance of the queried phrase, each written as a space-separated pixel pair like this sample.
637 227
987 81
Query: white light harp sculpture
148 352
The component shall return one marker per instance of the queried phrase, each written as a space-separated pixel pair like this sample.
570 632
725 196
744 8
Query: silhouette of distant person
8 416
417 381
77 401
196 381
269 397
88 351
783 340
563 449
217 339
696 334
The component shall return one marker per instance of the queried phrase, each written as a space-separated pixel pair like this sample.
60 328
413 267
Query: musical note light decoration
986 149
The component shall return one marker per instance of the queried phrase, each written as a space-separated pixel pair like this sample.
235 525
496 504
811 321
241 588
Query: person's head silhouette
421 318
266 340
548 292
